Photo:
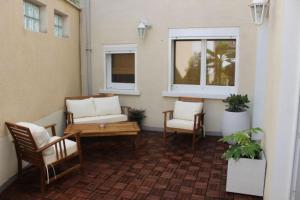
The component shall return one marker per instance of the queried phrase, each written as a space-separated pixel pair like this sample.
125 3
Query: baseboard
152 129
160 129
8 183
12 179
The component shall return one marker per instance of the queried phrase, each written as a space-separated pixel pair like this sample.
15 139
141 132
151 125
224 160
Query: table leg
133 138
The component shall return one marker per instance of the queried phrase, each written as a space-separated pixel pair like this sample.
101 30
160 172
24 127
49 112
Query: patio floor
113 170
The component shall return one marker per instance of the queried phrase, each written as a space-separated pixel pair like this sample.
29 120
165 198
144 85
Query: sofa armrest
69 117
125 110
198 120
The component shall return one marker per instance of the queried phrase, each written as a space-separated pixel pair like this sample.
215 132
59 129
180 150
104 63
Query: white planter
235 121
246 176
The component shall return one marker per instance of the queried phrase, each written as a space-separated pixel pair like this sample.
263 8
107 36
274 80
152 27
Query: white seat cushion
40 136
81 108
107 106
181 124
71 147
187 110
101 119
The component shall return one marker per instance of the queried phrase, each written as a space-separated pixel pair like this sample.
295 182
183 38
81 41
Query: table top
109 129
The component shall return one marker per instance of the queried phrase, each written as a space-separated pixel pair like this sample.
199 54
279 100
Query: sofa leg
165 136
194 140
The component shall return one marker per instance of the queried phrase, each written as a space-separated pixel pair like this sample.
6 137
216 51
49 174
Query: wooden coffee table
111 129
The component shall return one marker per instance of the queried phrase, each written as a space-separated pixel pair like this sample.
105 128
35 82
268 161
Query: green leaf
244 146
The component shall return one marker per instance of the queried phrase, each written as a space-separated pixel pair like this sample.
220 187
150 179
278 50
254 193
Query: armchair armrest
167 115
125 109
60 145
52 126
168 111
69 117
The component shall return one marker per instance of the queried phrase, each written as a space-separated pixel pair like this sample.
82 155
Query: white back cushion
81 108
107 106
187 110
40 136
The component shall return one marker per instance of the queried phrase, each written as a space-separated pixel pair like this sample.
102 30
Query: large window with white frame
120 65
203 61
31 16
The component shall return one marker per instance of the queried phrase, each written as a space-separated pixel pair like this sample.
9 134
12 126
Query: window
120 62
203 61
58 25
31 17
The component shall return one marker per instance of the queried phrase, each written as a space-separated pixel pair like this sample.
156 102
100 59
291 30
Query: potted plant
235 117
246 163
136 115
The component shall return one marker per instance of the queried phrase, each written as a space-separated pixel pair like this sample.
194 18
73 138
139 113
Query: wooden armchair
27 150
194 126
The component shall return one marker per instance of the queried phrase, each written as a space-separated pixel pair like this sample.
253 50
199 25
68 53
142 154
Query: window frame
119 49
202 34
32 4
59 27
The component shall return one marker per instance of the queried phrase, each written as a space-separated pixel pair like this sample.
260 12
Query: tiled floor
113 170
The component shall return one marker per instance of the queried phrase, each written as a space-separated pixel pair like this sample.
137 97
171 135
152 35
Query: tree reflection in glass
221 58
187 60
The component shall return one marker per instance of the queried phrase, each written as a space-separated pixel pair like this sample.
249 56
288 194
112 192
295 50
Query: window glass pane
36 12
221 58
187 62
31 17
36 27
123 67
55 19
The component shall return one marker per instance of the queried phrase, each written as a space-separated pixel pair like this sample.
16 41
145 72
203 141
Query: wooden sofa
120 116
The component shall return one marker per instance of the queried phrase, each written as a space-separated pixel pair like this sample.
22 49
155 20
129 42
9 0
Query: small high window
58 25
31 17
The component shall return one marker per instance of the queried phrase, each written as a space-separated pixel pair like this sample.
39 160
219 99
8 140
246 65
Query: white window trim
119 88
203 90
43 23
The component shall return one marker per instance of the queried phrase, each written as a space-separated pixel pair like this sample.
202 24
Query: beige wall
116 23
280 116
37 70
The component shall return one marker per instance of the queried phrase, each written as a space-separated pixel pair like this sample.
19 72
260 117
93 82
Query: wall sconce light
259 10
142 28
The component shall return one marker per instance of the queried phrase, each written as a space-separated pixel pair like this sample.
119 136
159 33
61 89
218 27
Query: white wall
115 22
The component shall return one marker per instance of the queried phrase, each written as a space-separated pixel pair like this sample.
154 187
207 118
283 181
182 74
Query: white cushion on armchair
40 136
71 147
180 124
187 110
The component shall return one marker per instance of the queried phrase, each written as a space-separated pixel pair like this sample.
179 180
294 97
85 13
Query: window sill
121 92
194 94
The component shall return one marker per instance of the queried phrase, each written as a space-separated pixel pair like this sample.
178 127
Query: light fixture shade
259 10
142 27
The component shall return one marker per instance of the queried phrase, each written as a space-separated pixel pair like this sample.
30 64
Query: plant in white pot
246 163
235 117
